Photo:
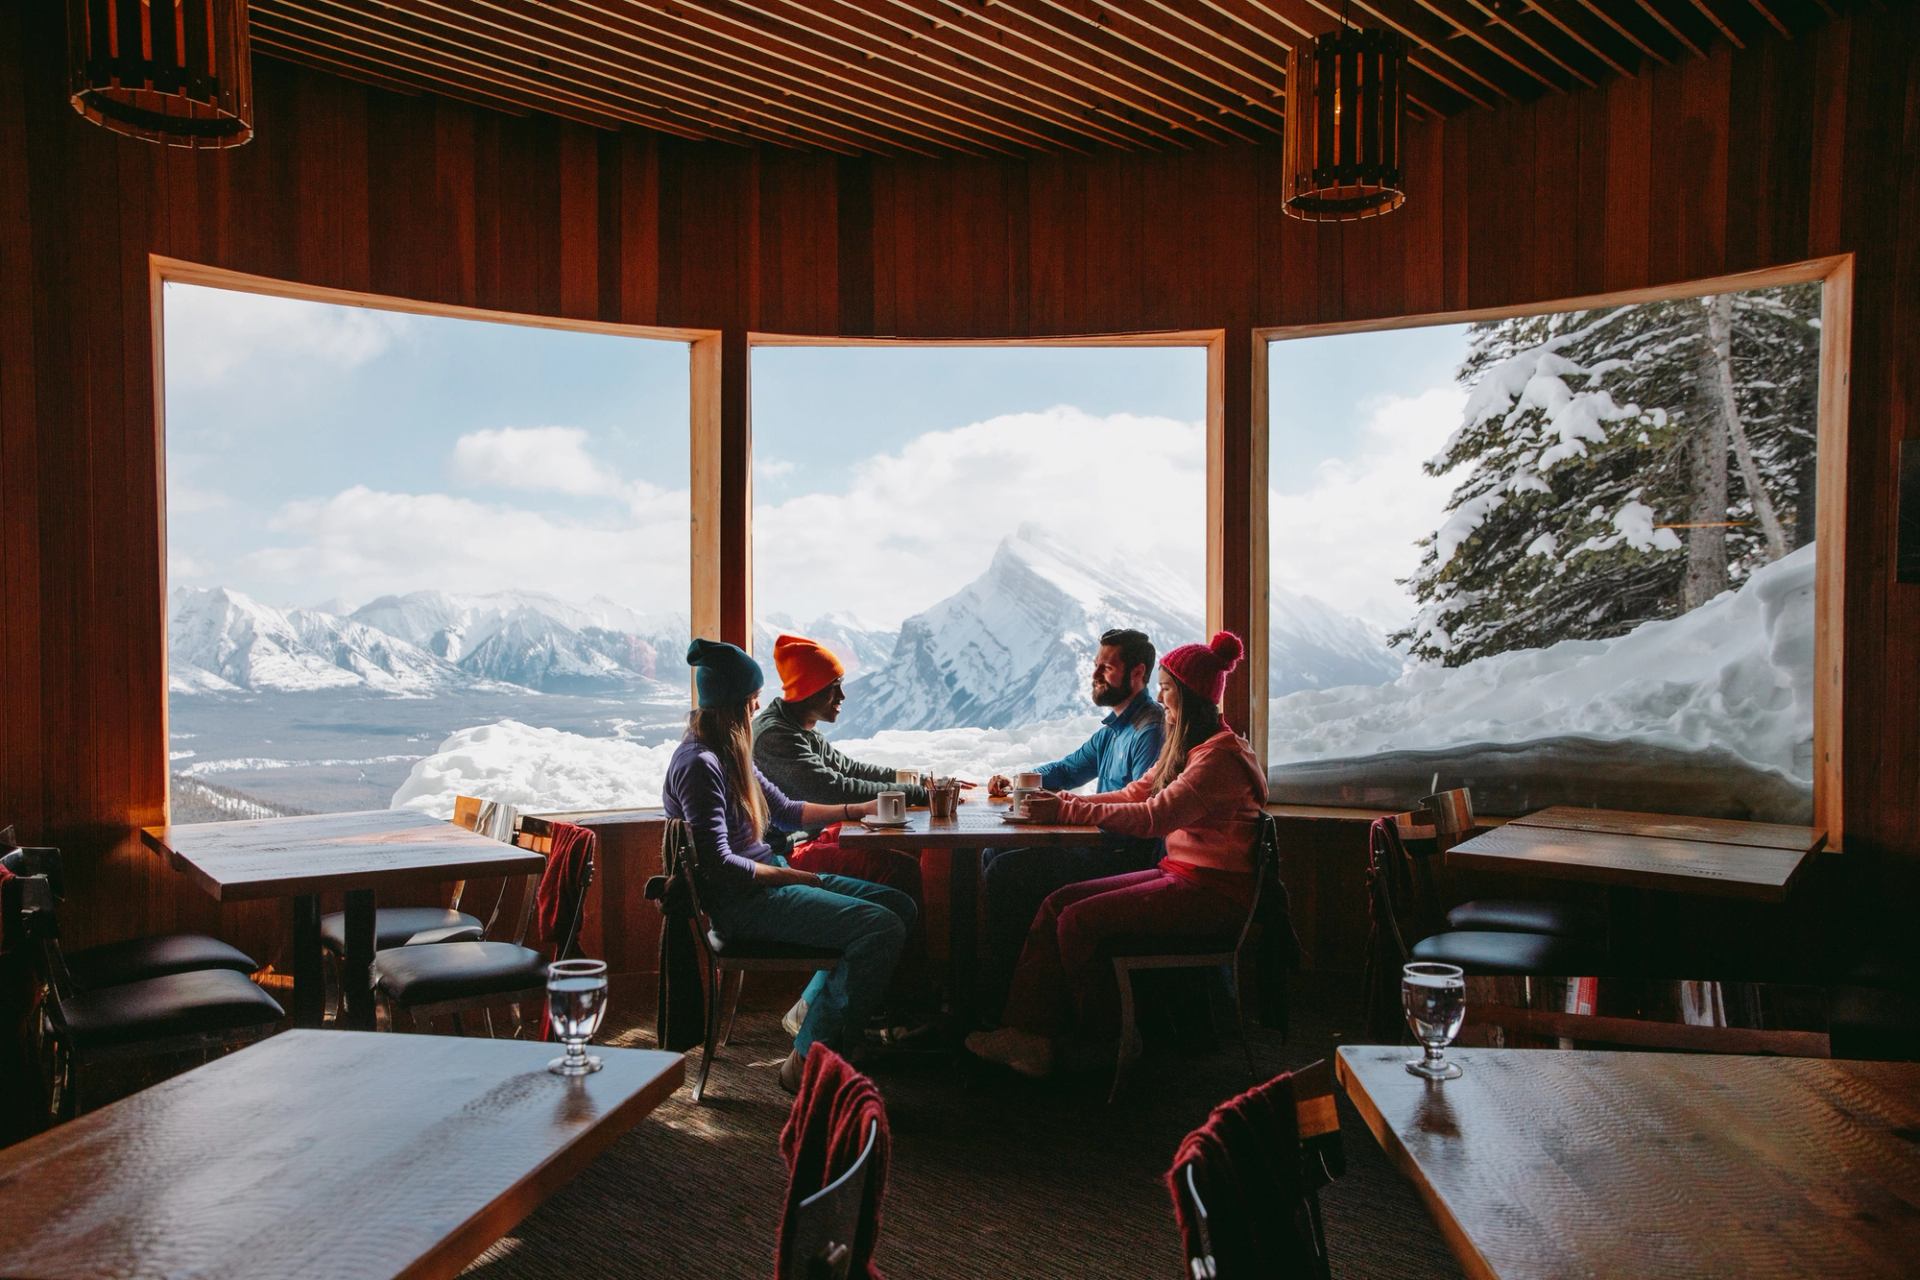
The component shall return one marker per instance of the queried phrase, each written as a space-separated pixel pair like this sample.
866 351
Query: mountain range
1011 647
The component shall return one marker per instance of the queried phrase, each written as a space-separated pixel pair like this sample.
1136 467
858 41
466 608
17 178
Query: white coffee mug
1026 782
1017 803
908 776
891 807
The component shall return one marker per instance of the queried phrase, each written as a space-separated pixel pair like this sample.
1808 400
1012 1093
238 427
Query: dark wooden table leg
309 984
963 947
356 981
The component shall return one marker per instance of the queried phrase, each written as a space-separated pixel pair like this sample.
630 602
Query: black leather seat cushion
136 959
1521 915
456 970
392 926
175 1005
1484 952
749 949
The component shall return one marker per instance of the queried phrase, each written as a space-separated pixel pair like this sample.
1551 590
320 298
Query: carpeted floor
993 1176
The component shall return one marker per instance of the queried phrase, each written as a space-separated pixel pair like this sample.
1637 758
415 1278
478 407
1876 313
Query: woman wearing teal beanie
749 892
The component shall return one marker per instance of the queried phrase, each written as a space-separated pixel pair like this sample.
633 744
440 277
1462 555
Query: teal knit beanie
723 674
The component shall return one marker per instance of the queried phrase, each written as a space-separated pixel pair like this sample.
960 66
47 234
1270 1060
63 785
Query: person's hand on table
999 784
1043 806
771 875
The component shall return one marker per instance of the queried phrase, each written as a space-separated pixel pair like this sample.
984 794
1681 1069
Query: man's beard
1109 695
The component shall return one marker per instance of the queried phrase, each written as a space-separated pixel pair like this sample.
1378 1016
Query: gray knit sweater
805 766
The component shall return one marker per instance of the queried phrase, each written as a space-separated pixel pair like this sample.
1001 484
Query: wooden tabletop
1635 861
978 825
285 857
1537 1163
1625 822
318 1153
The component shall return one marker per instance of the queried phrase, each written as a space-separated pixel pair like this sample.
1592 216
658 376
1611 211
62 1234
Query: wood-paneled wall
1748 159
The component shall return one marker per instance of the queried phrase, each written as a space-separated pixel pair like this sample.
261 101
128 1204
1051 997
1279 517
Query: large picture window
960 524
411 556
1580 547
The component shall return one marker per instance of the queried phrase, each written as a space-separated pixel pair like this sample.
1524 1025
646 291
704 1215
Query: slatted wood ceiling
938 77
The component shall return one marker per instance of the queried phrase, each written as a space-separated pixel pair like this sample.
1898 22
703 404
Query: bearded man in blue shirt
1124 747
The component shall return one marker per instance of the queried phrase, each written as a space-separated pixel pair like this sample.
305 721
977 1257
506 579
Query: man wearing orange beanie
796 757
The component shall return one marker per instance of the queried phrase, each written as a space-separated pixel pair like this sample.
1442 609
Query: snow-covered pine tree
1587 437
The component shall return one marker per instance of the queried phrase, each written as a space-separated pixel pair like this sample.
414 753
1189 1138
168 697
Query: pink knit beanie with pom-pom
1203 668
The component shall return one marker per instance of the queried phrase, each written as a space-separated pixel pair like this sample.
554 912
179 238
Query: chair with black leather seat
1449 820
1269 910
450 979
1407 924
724 957
194 1012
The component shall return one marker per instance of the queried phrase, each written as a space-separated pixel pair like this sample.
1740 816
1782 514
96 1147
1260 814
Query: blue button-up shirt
1123 748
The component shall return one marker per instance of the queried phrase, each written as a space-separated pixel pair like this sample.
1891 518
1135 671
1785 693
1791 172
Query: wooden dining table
1755 861
318 1153
977 825
357 854
1545 1164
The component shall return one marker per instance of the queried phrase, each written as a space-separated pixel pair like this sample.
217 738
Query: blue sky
320 453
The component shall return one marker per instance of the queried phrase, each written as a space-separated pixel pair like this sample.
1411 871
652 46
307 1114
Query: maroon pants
1063 983
913 975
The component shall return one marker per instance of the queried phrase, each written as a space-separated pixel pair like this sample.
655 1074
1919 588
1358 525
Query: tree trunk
1720 348
1707 478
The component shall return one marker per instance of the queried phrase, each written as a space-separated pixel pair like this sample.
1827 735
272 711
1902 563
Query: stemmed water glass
576 1001
1435 998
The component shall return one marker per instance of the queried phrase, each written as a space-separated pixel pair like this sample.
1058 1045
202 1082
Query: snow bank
548 769
1735 673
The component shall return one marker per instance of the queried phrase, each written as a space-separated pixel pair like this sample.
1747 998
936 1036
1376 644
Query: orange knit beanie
805 666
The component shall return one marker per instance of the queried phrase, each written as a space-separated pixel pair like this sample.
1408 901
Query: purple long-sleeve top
723 843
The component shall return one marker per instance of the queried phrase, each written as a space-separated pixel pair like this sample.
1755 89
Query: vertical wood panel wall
1749 159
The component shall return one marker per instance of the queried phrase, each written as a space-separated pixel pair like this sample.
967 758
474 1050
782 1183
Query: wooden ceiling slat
416 25
1034 39
1770 16
880 41
1308 18
352 71
577 41
1626 33
291 35
1574 24
1715 19
1649 7
960 108
1437 94
1514 77
1495 25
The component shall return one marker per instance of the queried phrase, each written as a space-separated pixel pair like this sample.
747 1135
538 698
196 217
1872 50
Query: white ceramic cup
1026 782
1017 802
906 775
891 806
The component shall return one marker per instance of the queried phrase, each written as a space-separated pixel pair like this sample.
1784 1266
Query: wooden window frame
1835 276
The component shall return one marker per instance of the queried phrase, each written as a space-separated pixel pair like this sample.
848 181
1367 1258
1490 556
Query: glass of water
576 1001
1435 998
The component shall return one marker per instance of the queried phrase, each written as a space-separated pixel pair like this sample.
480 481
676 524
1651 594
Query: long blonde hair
1196 721
726 732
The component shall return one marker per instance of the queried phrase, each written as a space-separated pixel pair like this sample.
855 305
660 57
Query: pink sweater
1209 815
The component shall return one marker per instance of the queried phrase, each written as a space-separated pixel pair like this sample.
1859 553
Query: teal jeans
868 922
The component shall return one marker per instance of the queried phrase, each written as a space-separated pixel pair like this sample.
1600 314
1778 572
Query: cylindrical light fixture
171 71
1345 94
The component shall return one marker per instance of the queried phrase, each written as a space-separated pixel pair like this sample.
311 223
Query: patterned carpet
993 1176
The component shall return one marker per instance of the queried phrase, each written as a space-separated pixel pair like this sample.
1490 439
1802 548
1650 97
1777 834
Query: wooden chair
1321 1158
724 957
1406 923
826 1223
1449 820
449 979
197 1013
1165 953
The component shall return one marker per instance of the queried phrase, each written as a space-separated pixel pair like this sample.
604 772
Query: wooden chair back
1450 813
827 1223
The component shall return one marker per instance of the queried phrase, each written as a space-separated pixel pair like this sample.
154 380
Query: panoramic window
960 524
1563 558
411 557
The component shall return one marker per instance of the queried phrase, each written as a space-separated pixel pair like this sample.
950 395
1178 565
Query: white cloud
554 459
773 468
914 526
363 542
217 335
1350 531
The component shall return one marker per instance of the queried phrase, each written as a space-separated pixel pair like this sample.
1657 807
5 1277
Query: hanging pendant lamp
172 71
1345 97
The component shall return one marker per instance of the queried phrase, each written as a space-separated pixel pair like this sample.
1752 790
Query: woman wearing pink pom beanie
1205 797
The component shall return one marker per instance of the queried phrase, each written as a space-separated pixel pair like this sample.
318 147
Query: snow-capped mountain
860 647
221 641
1015 645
